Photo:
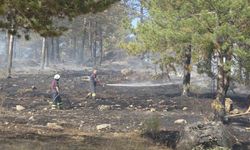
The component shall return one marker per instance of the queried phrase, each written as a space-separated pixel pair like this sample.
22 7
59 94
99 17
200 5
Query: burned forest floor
119 118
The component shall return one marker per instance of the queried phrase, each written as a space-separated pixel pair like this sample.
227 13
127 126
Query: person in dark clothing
57 102
93 82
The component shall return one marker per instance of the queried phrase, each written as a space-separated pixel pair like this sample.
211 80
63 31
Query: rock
184 108
45 108
152 109
19 108
235 111
32 118
161 102
33 87
180 121
149 100
14 85
104 107
54 126
205 135
117 105
103 126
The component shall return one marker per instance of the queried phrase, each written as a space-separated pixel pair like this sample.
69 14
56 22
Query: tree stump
205 135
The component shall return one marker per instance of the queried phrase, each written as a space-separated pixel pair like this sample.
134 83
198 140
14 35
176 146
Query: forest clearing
125 74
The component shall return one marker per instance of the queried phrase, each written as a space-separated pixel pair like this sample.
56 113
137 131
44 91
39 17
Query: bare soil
128 111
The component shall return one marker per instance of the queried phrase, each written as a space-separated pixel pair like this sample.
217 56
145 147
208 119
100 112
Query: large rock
205 135
180 121
104 107
103 126
19 107
54 126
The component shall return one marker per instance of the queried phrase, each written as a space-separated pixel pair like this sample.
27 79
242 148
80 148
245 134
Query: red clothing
53 86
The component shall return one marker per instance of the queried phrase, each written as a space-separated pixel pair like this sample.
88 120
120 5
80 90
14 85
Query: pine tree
38 15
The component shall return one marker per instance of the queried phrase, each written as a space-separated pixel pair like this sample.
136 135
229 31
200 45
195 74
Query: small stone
103 126
180 121
45 108
33 87
130 106
149 100
19 108
161 102
54 126
32 118
235 111
39 132
117 105
152 109
6 123
14 85
184 108
104 107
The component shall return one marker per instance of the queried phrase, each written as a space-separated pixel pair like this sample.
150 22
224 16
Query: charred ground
131 112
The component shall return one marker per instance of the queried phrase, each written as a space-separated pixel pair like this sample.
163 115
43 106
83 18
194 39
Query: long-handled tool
55 98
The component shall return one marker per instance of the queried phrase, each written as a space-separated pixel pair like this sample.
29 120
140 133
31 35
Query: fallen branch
234 115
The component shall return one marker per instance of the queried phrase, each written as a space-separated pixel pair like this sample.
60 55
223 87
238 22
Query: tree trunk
47 50
223 79
90 39
141 12
10 54
240 70
247 78
43 53
187 71
95 44
57 55
74 48
220 80
7 46
101 46
81 53
52 51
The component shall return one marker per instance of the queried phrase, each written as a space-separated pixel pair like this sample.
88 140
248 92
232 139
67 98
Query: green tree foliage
38 16
211 27
166 31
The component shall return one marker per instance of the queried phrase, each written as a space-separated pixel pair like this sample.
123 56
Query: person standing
57 102
93 82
